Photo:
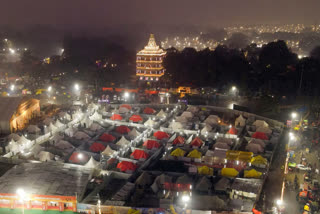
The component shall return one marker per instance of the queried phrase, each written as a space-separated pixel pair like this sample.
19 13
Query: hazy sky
96 13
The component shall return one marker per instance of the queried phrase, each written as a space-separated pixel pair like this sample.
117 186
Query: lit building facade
150 61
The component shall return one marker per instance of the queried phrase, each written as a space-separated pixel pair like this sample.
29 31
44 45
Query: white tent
77 115
70 131
45 156
240 121
260 123
81 135
177 126
123 110
14 136
182 119
52 128
264 129
33 129
133 133
212 120
95 127
23 141
86 121
108 151
47 121
58 124
92 163
123 142
149 122
96 116
161 113
13 147
62 144
206 129
187 114
64 115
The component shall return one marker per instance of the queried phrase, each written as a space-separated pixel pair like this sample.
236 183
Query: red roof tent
116 117
197 142
135 118
233 130
122 129
97 147
161 135
79 158
107 137
126 106
126 165
260 135
148 110
178 140
139 154
150 144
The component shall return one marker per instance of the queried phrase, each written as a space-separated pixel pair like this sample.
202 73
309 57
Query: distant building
149 61
16 113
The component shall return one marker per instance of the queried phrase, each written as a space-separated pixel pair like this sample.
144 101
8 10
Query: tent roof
133 133
233 130
62 144
149 110
123 142
135 118
139 154
33 129
252 173
257 160
127 106
161 135
122 129
229 172
161 113
149 122
126 165
14 136
184 179
196 142
92 163
144 179
178 152
107 137
204 184
81 135
45 156
116 117
178 140
108 151
204 170
150 144
194 154
97 147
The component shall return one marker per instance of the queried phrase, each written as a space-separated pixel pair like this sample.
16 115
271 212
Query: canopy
161 135
95 127
178 152
63 145
148 110
122 129
14 136
134 133
161 113
97 147
123 142
107 137
259 160
45 156
127 106
257 141
260 123
260 135
233 130
139 155
194 154
187 114
108 151
116 117
252 173
33 129
81 135
240 121
264 129
206 129
177 126
96 116
229 172
150 144
78 158
92 163
255 148
196 142
179 140
149 122
204 170
135 118
126 165
123 110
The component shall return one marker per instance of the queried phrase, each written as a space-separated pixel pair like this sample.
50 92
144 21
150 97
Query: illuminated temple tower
149 61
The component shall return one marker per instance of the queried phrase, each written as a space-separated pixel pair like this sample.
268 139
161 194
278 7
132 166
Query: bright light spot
26 49
49 88
234 88
5 40
80 156
62 50
77 87
126 94
12 87
279 202
21 193
294 115
185 198
12 51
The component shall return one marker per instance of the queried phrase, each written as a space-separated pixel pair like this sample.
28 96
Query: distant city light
77 87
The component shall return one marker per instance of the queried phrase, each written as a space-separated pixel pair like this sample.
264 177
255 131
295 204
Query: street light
12 87
49 88
12 51
293 115
126 94
234 88
185 198
76 87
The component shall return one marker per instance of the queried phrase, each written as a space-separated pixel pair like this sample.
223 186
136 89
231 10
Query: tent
63 145
252 173
259 160
257 141
116 117
161 113
221 145
187 114
139 155
92 163
240 121
95 127
47 121
184 179
123 110
14 136
212 120
255 148
260 135
96 116
45 156
33 129
123 142
78 158
264 129
133 133
58 124
178 141
144 179
194 154
107 137
196 142
182 120
225 140
135 118
206 129
64 115
193 109
149 122
260 123
108 151
36 149
177 126
86 121
93 106
97 147
122 129
150 144
81 135
161 135
70 131
23 141
13 147
204 170
125 166
229 172
204 185
148 110
233 130
127 106
178 152
52 128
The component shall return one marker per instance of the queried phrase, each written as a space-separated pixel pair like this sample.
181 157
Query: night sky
100 13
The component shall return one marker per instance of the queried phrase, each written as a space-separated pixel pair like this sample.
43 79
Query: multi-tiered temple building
149 61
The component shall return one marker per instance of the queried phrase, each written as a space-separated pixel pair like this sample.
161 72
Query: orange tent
232 130
107 137
161 135
135 118
178 140
150 144
197 142
126 165
127 106
123 129
116 117
139 154
149 110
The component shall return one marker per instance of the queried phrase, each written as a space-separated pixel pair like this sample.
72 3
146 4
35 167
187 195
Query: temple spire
152 41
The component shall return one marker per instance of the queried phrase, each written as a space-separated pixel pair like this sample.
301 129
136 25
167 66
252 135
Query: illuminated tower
149 61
